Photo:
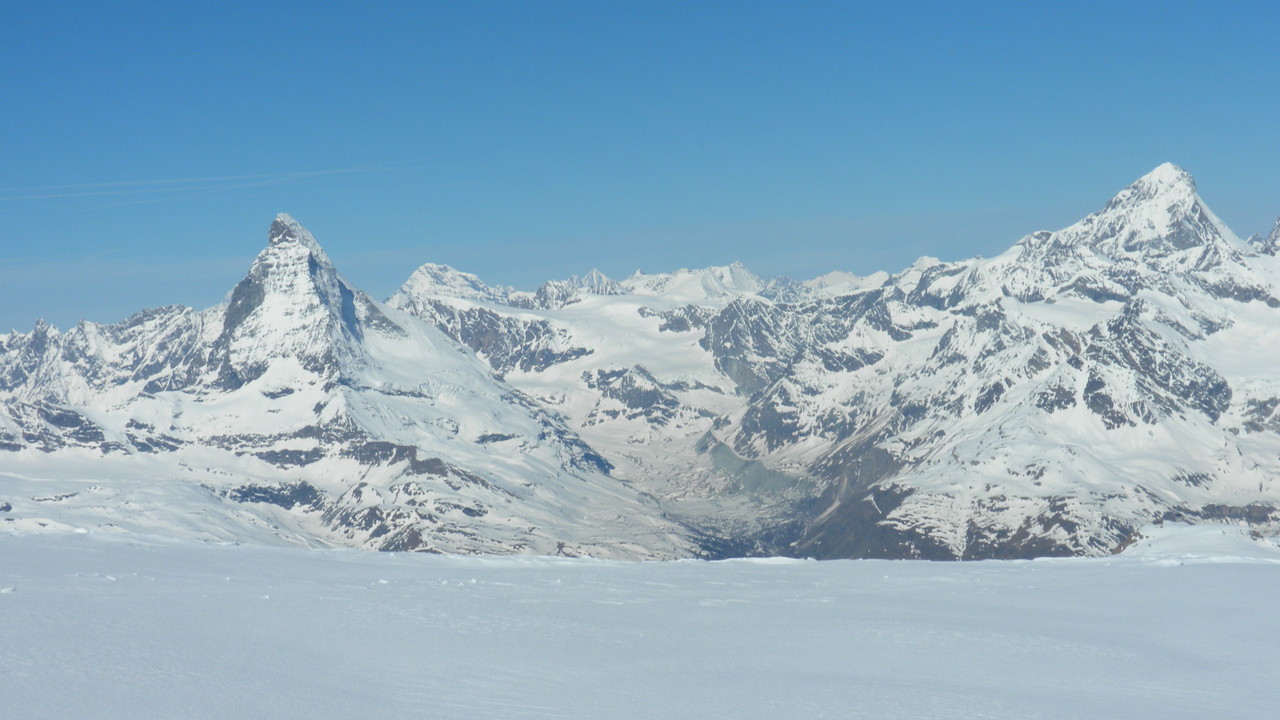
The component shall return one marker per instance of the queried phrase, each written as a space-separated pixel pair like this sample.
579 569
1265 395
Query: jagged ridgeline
1048 401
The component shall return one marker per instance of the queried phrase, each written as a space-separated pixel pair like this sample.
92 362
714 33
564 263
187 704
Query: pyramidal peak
1168 175
285 230
288 238
600 284
1158 216
292 302
1167 186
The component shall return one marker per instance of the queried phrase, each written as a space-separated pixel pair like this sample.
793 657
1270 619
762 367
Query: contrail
289 193
184 193
132 187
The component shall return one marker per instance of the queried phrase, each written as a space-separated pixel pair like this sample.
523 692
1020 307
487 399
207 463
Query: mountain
1047 401
300 408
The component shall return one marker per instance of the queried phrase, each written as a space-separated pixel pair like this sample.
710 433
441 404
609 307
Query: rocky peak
292 303
43 329
1158 221
1268 244
292 269
293 263
555 294
1158 215
285 230
597 283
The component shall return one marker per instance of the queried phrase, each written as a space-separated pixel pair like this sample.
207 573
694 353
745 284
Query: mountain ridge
1046 401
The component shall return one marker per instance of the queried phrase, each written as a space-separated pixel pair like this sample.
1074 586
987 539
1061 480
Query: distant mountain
302 408
1048 401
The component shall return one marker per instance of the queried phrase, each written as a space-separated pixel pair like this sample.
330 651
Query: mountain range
1048 401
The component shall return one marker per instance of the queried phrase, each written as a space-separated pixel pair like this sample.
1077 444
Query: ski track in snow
115 627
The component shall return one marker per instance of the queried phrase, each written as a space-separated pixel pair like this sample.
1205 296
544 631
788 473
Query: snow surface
1180 626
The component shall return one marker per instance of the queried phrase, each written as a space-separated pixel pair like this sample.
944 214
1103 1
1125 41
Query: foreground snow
1181 625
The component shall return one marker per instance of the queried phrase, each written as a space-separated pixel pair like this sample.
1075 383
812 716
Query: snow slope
99 627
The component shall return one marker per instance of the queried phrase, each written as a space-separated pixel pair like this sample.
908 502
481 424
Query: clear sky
147 146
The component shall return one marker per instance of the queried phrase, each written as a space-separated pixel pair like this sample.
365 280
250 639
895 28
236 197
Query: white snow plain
1182 625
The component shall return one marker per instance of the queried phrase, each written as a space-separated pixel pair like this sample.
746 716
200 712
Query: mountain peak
292 303
290 244
1269 244
1168 186
598 283
1158 216
285 230
1168 175
435 280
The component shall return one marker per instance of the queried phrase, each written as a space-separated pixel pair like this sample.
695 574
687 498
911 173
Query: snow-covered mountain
1047 401
301 408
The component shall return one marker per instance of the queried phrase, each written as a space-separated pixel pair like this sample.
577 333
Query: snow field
1181 626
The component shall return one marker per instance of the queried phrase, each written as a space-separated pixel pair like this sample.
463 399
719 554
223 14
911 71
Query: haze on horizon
149 150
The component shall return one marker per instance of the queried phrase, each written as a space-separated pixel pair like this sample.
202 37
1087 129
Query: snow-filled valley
1182 624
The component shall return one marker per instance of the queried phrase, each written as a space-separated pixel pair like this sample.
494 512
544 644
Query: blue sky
147 146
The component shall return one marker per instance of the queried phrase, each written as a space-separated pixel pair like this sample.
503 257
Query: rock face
1047 401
